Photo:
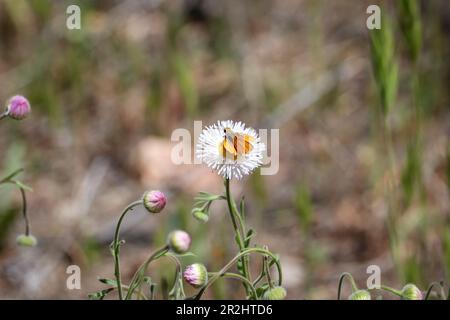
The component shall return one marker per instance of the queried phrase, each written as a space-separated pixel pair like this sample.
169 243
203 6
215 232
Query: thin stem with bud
115 246
341 282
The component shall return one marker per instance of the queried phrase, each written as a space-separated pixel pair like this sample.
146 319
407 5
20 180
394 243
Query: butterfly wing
243 143
228 146
237 144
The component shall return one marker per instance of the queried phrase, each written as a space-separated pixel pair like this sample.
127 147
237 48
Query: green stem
267 271
261 275
239 277
234 260
239 230
143 268
178 275
11 175
24 199
139 294
341 281
391 290
430 288
232 214
116 246
24 211
126 288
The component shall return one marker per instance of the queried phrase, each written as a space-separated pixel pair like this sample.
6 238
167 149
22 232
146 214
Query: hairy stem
391 290
143 268
239 230
116 246
267 271
24 211
238 277
430 289
341 282
261 275
24 198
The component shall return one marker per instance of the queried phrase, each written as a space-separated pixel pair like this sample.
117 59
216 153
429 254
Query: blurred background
107 97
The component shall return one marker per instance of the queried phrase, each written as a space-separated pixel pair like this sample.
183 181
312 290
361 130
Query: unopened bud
360 295
18 107
154 201
200 215
276 293
26 240
179 241
196 275
411 292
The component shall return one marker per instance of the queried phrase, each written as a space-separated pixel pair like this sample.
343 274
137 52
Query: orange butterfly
235 144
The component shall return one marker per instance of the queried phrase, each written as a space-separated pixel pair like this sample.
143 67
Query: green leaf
262 289
205 196
410 23
23 186
111 282
151 286
11 175
100 295
250 234
242 208
186 82
239 266
384 65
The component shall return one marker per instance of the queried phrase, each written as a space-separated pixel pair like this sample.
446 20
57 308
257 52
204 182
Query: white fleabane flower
230 148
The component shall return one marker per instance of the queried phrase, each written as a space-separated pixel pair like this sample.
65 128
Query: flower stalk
25 239
341 282
239 230
238 277
115 246
135 282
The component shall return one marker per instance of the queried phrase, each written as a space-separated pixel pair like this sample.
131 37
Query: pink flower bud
154 201
196 275
179 241
411 292
18 107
